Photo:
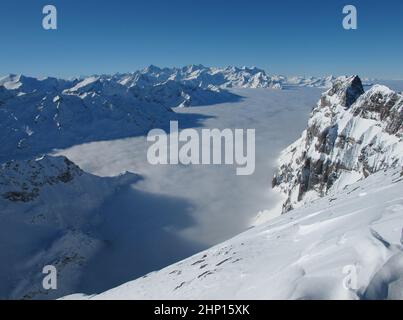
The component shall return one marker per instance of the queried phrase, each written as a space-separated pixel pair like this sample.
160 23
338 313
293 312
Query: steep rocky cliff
350 135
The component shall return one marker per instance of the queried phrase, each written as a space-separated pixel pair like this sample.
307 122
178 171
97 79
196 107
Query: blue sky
287 36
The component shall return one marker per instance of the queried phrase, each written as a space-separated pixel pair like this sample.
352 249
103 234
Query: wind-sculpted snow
347 245
351 134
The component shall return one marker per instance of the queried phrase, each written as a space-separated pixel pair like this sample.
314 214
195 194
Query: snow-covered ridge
23 180
228 77
200 76
350 135
49 210
347 245
113 106
39 115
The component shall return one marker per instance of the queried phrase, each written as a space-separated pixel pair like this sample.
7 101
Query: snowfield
344 246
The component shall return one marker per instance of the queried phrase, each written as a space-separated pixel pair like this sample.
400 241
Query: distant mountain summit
350 135
227 77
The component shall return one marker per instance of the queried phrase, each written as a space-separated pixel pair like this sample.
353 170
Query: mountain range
340 235
114 106
341 180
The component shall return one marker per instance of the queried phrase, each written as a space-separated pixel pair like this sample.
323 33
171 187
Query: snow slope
49 209
347 245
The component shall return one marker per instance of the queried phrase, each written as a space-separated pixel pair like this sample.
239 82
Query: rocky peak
350 134
22 180
345 91
384 105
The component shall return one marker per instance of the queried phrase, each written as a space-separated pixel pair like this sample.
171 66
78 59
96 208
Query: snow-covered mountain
344 241
49 208
201 76
39 115
59 208
113 106
350 135
106 107
347 245
229 77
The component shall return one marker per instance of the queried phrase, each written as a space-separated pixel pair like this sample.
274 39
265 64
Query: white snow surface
347 245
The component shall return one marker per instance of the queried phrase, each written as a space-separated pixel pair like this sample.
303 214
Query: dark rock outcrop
350 134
